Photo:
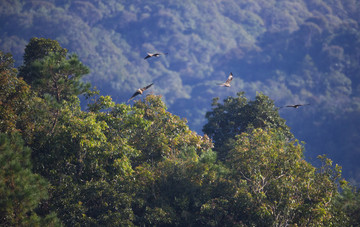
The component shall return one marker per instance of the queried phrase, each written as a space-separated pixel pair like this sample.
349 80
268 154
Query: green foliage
271 185
140 165
164 153
48 71
238 115
167 136
347 207
21 191
37 49
102 103
292 51
60 77
122 159
81 163
15 98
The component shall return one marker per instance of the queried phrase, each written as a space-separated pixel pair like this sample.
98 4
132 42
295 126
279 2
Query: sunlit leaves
116 164
282 186
15 99
238 115
167 135
102 103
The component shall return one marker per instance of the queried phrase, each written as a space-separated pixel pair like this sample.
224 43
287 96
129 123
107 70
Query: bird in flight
297 105
149 55
140 91
227 82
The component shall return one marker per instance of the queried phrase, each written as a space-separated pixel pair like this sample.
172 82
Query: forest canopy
281 53
116 164
301 51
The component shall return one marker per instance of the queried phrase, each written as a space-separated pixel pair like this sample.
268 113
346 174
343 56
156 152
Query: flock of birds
225 84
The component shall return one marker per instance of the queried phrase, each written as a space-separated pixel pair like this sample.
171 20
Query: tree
346 207
60 77
54 78
116 167
48 71
89 171
70 147
15 99
21 191
164 153
238 115
270 184
35 50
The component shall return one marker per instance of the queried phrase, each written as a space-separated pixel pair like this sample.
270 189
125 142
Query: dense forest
299 51
121 165
75 154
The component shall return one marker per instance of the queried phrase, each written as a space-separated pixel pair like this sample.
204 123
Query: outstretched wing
229 79
148 56
297 105
144 88
227 82
135 94
154 55
140 91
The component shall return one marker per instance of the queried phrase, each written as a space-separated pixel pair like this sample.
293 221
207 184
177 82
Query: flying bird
140 91
227 82
149 55
297 105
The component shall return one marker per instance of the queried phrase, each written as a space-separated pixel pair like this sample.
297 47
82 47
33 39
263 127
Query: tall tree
172 168
49 71
55 77
35 50
238 115
60 77
88 170
270 184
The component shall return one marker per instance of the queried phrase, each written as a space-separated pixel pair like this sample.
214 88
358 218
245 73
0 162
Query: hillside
304 51
121 165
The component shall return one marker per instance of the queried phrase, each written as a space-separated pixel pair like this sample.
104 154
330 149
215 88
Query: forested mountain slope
304 51
121 165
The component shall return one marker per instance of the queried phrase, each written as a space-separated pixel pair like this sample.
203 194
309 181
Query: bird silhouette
140 91
297 105
149 55
227 82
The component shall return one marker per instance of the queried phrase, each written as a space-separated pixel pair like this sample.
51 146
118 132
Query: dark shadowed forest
74 150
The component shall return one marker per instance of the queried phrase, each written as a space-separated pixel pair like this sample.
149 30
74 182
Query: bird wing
144 88
297 105
135 94
154 55
147 56
158 54
229 79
